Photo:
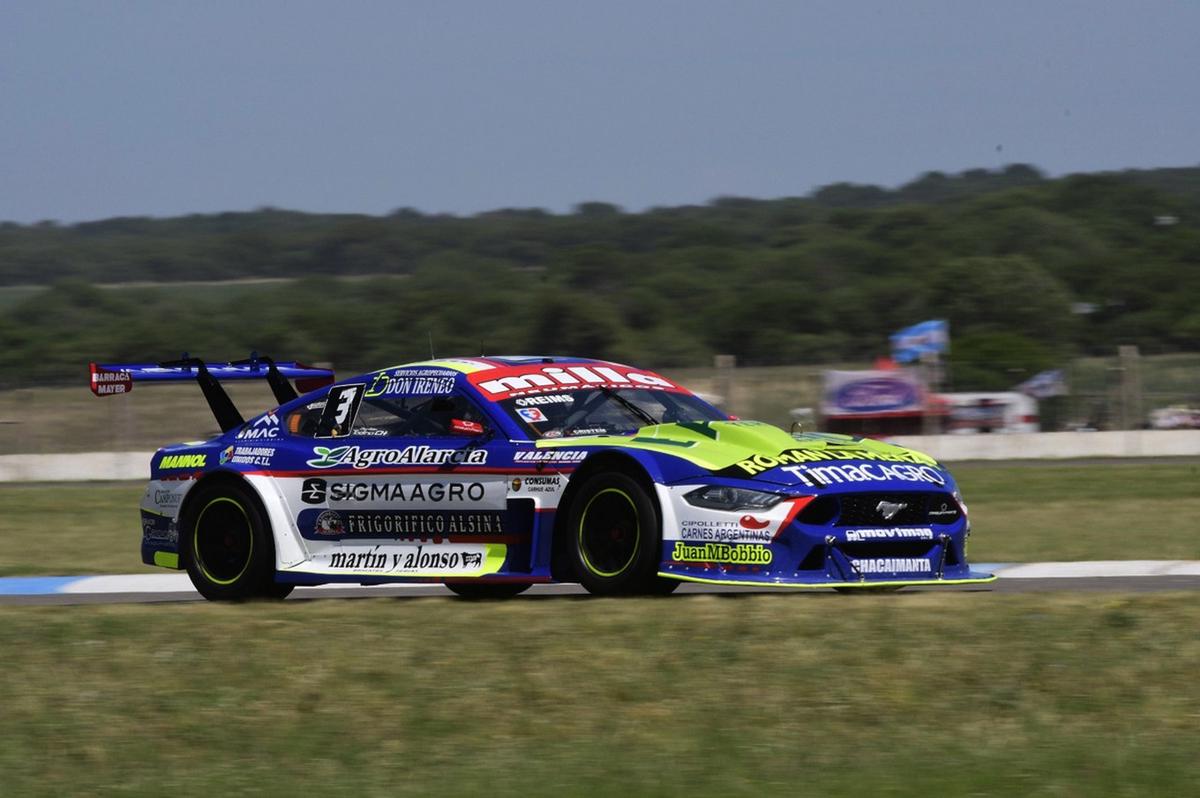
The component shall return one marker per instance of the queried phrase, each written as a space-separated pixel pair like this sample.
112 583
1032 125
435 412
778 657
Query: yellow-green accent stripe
798 586
166 559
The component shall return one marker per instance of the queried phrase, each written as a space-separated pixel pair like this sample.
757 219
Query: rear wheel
276 590
614 537
227 545
487 590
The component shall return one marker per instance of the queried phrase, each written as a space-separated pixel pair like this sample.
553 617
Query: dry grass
43 420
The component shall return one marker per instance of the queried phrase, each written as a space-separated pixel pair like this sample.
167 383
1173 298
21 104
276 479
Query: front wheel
227 545
614 537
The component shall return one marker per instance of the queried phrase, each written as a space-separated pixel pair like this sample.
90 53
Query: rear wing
108 379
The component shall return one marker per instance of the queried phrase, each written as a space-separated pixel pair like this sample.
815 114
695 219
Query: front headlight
719 497
958 498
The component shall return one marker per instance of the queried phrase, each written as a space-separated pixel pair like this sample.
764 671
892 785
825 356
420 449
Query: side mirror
459 426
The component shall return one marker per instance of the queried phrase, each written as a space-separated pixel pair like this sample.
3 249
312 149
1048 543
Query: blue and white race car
491 474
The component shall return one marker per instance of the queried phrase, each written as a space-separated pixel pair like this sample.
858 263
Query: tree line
1028 270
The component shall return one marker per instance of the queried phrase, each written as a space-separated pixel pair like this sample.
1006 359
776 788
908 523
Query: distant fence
100 466
1107 393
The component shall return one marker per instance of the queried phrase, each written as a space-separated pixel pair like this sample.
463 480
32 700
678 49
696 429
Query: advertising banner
860 393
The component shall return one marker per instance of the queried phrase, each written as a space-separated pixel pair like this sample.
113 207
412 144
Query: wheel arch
219 478
257 578
627 463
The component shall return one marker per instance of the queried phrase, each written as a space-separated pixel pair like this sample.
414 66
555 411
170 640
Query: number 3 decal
340 409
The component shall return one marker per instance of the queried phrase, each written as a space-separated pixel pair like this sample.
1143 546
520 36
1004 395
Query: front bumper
789 547
160 521
833 562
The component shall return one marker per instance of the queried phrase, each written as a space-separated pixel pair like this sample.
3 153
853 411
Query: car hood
763 452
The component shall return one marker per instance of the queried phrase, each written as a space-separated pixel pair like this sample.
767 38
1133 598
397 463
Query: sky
164 108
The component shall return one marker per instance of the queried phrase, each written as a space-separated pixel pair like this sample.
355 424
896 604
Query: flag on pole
1045 384
912 342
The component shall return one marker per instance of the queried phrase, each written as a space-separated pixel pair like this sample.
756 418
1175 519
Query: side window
418 416
304 420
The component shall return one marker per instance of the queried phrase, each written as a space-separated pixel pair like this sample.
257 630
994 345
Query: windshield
604 411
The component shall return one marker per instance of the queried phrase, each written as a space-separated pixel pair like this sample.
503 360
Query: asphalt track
1077 577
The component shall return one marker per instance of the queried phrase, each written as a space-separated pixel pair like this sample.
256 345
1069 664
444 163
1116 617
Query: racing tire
487 590
662 586
227 545
276 590
614 543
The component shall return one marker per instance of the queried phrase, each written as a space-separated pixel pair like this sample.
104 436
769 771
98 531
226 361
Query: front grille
863 509
941 553
889 548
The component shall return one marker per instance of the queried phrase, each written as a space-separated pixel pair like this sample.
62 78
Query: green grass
1019 513
926 694
70 528
1103 511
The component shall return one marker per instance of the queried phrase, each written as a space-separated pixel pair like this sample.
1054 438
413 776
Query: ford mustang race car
491 474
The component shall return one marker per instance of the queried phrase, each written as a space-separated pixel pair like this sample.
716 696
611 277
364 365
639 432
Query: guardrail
75 467
1056 445
99 466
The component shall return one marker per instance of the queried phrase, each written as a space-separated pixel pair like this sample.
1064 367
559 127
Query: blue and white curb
132 583
34 585
179 582
1090 569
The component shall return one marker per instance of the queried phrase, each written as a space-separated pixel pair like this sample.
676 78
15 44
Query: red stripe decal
798 504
